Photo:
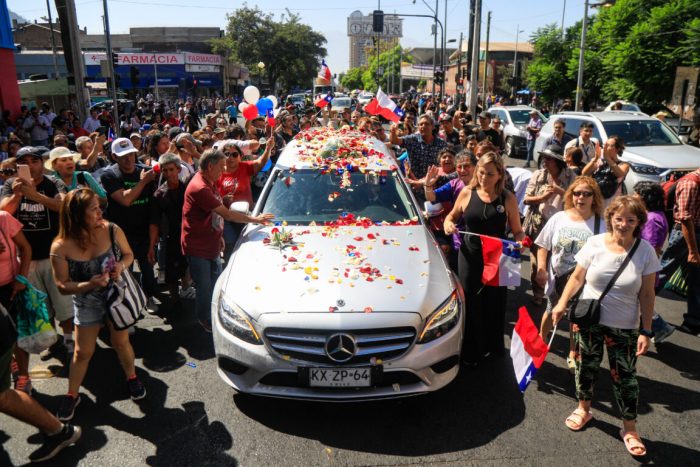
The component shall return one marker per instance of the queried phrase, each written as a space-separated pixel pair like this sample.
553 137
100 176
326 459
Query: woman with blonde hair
485 207
625 265
86 254
561 238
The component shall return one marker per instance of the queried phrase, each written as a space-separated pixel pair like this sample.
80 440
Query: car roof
511 107
616 116
318 148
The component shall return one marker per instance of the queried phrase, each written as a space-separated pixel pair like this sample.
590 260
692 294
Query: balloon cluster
255 105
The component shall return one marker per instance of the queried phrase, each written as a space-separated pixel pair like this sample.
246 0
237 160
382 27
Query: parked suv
514 120
653 150
672 118
350 297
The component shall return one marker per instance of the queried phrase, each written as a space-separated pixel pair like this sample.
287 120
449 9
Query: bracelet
646 333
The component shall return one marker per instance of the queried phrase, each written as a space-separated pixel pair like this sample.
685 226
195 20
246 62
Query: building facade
364 42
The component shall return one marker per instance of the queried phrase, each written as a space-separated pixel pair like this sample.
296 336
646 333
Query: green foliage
632 51
390 70
290 50
353 79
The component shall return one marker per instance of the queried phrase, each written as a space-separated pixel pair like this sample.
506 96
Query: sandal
571 363
633 443
578 419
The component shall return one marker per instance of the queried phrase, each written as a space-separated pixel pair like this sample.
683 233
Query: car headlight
442 320
646 169
235 321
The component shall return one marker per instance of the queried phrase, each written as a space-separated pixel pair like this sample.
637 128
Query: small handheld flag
501 262
323 100
384 106
527 349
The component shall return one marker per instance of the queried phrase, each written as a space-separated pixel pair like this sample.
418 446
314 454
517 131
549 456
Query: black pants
140 248
485 309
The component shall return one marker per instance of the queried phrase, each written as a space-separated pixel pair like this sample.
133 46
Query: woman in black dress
484 207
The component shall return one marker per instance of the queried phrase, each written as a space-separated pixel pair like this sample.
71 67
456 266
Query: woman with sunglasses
234 184
561 238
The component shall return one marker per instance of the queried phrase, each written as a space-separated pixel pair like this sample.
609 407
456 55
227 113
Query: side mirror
240 206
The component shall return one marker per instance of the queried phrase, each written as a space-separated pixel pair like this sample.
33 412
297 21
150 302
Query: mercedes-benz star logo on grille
340 347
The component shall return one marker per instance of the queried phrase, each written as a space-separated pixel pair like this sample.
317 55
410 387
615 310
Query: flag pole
487 236
554 331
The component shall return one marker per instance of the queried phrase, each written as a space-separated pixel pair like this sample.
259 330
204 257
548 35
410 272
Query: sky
329 18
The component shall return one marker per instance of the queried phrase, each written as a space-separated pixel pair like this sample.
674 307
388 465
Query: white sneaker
151 306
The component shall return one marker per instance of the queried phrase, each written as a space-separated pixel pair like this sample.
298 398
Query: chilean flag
324 72
501 262
270 117
323 100
382 105
527 349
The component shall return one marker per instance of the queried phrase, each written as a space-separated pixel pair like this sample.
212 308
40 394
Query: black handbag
586 311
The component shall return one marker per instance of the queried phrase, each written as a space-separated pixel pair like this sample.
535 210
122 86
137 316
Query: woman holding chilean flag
486 208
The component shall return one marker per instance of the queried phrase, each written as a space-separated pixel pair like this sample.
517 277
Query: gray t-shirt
620 307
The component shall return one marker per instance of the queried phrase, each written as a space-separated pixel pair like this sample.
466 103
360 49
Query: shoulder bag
125 298
586 311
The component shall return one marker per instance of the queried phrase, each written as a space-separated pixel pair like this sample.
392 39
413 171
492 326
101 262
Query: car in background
653 150
298 100
348 297
338 104
672 119
365 98
514 120
125 105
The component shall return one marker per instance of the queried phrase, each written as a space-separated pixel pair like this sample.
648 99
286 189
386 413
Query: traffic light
378 21
464 72
439 77
115 59
134 74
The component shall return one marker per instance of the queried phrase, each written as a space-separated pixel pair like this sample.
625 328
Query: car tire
510 147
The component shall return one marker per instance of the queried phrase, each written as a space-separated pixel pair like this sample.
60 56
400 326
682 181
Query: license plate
339 377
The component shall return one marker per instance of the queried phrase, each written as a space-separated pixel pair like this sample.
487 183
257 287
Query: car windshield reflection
642 133
305 196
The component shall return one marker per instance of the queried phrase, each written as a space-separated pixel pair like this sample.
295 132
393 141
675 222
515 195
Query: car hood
680 156
341 270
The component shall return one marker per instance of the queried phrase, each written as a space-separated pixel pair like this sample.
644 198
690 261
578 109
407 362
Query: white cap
123 147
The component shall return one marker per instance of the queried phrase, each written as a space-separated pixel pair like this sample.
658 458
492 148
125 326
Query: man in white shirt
584 141
92 122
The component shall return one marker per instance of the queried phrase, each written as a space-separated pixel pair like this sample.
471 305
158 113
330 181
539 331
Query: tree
547 70
290 50
353 78
389 65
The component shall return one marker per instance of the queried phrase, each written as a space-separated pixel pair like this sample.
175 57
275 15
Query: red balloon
250 112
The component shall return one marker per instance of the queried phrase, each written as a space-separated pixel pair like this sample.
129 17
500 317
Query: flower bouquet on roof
279 238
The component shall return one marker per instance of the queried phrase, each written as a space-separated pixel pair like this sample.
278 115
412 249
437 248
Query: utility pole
108 43
155 75
473 79
515 59
53 42
563 12
486 58
400 72
443 61
459 70
470 36
579 79
76 83
435 44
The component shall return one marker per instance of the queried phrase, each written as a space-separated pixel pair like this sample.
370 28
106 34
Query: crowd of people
158 194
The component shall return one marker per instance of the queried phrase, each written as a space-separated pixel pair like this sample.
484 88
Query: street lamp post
584 27
515 56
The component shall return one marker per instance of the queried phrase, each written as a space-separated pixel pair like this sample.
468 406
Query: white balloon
251 94
242 106
273 99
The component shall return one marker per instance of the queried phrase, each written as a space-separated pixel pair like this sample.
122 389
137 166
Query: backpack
669 188
606 179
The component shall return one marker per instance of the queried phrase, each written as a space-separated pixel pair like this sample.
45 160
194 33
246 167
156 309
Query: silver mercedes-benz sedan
348 297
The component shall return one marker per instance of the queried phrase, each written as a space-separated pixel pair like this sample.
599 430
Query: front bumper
260 370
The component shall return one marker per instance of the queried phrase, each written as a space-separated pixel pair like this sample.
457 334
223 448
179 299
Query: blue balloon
264 104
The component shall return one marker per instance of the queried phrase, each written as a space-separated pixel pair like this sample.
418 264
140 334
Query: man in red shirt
682 247
203 217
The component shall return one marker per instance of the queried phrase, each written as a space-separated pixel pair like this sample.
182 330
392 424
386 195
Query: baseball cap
30 151
219 130
58 153
485 114
445 117
145 127
135 135
186 136
123 147
174 131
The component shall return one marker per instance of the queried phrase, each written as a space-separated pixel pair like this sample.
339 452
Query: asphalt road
191 417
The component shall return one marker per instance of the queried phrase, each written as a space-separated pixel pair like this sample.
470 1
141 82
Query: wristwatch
646 333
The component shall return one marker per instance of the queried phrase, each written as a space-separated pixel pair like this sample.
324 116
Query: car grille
309 345
676 174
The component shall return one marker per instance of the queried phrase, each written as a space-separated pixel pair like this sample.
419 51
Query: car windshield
308 195
522 117
642 132
341 102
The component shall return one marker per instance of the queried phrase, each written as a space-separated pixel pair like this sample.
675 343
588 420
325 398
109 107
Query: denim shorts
89 310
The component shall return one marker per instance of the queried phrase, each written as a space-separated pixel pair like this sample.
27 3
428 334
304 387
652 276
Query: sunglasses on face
233 154
8 171
585 194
